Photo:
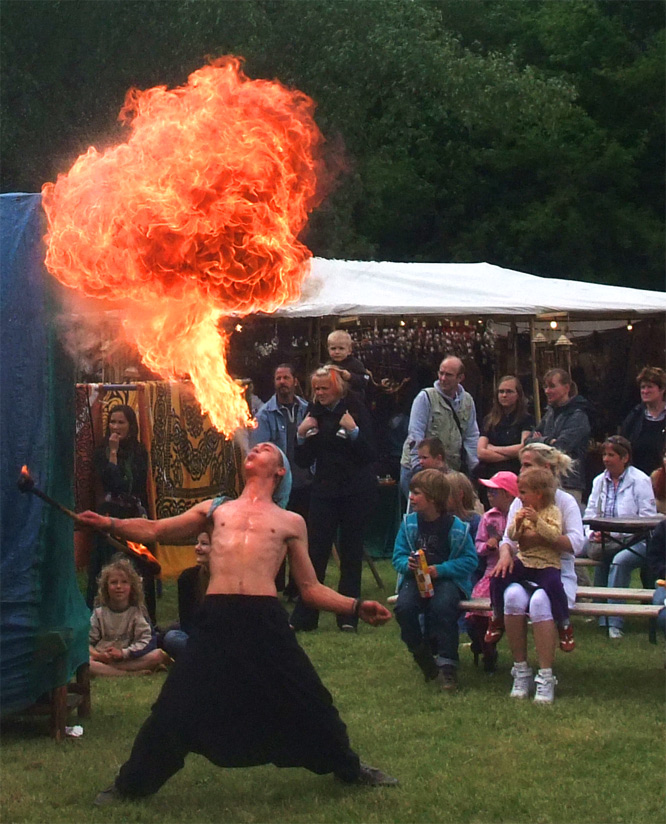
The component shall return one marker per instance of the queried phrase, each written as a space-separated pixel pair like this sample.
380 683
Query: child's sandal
494 632
567 642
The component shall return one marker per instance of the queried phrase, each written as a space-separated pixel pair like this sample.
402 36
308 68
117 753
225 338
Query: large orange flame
194 218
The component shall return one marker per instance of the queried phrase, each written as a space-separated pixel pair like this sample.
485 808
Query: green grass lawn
596 755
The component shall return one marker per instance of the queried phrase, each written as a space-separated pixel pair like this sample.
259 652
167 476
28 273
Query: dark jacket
342 466
189 597
656 551
123 484
358 375
567 428
646 438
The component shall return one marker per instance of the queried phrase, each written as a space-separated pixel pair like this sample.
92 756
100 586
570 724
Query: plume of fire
194 218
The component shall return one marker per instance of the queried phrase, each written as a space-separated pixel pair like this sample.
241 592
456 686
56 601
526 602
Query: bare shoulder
292 522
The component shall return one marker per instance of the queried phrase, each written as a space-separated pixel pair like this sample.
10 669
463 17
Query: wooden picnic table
636 530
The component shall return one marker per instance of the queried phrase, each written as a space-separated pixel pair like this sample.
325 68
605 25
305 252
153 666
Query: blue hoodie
462 560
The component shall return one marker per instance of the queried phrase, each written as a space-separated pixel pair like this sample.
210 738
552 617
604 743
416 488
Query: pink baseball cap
503 480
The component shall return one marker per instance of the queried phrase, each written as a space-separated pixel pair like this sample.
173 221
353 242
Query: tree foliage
528 134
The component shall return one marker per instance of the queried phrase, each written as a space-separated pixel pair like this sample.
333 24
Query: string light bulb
553 324
630 326
238 327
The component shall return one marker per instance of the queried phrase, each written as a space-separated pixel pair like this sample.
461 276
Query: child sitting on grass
121 639
502 488
535 526
451 559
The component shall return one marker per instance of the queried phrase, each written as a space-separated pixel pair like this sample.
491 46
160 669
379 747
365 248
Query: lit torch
26 483
196 217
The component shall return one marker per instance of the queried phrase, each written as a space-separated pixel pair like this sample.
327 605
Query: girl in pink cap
502 488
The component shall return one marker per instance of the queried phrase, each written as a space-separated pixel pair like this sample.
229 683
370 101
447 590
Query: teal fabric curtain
43 617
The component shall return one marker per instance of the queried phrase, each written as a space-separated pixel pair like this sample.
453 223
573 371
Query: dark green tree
528 134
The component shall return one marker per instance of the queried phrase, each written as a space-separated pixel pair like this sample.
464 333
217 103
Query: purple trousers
547 579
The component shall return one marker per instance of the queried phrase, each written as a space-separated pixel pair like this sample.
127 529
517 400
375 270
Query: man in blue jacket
277 422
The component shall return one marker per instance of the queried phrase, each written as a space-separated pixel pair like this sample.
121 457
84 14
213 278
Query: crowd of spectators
459 482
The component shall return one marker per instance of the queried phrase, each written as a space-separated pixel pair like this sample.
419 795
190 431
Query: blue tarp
43 618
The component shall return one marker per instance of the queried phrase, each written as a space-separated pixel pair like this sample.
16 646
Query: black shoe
447 678
423 657
374 777
490 661
109 796
347 628
371 777
298 627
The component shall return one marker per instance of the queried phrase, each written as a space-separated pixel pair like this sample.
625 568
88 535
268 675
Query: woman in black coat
336 437
121 465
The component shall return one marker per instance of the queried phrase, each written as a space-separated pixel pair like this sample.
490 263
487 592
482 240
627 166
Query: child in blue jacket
432 623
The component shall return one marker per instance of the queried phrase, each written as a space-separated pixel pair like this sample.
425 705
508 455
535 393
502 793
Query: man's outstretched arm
319 596
144 531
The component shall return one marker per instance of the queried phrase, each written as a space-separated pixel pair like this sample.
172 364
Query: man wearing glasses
445 411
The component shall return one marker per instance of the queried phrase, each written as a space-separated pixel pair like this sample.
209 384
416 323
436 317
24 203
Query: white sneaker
522 682
545 689
615 633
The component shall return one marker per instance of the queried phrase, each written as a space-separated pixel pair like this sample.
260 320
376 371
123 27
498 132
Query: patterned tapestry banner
190 461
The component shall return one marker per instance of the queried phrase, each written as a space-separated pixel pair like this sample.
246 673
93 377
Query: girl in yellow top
535 528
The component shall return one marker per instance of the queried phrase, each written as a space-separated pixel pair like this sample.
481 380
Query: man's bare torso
249 540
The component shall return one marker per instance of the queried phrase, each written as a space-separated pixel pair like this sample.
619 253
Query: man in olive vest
447 412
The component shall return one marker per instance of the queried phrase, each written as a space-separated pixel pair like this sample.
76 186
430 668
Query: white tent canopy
354 287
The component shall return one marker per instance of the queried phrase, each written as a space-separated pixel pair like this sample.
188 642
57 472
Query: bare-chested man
244 692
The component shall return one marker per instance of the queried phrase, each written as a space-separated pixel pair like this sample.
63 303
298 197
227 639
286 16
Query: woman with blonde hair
336 437
521 603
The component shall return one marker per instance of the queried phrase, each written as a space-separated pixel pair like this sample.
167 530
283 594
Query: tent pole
514 337
535 377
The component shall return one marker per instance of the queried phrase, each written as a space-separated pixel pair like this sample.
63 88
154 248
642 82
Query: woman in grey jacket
566 426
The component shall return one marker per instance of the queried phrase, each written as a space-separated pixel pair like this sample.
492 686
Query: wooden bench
586 562
620 593
60 701
595 610
644 609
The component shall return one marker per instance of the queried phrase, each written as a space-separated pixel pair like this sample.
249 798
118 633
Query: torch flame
194 218
140 549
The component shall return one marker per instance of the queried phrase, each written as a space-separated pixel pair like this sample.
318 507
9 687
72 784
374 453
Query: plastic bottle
423 579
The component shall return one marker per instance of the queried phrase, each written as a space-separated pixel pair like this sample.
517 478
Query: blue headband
283 489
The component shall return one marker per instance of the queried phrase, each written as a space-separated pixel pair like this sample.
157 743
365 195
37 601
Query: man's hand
374 613
115 654
504 563
94 520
